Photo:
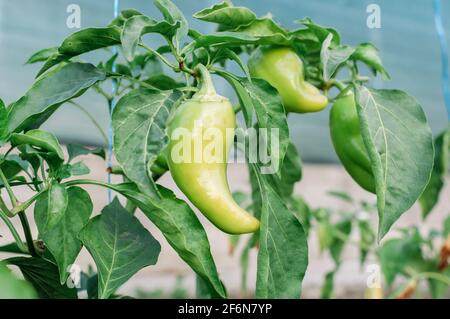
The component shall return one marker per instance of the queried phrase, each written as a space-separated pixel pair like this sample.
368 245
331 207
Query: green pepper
202 180
348 142
283 69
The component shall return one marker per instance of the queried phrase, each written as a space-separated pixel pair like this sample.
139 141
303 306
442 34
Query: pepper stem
206 86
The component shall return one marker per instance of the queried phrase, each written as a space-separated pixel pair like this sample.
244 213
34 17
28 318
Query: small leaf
226 15
42 55
12 287
139 125
291 172
332 59
49 92
78 150
321 32
400 146
3 121
326 292
40 139
120 246
368 54
230 38
61 237
124 16
341 232
430 195
135 27
44 277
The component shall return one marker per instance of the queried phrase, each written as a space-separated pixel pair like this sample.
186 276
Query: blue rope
113 104
444 54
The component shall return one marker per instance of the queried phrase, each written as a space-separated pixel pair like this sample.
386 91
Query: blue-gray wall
407 40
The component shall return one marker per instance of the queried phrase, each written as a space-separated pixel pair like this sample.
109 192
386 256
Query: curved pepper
283 69
348 142
204 181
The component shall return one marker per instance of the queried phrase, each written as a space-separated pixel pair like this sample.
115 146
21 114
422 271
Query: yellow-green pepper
283 69
203 181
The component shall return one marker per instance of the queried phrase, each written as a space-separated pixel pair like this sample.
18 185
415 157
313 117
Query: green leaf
264 28
400 146
271 116
44 277
49 92
12 287
120 246
321 32
182 229
235 38
11 166
291 172
61 237
3 121
42 55
341 232
395 254
438 289
163 82
173 15
124 16
367 239
226 15
332 59
139 125
135 27
326 292
430 195
283 248
446 228
259 96
12 248
368 54
42 140
341 195
78 150
89 39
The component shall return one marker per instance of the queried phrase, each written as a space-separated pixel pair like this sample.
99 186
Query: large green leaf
120 246
44 277
61 236
182 229
396 254
12 287
139 124
283 247
49 92
137 26
226 15
43 140
430 195
400 146
173 15
124 16
42 55
89 39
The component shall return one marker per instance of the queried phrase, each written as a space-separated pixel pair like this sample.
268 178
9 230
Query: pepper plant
161 89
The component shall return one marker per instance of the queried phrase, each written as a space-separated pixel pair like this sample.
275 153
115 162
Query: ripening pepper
348 142
283 69
202 180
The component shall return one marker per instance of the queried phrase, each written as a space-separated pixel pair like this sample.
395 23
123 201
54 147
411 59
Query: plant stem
13 231
93 120
160 56
28 236
8 188
23 206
